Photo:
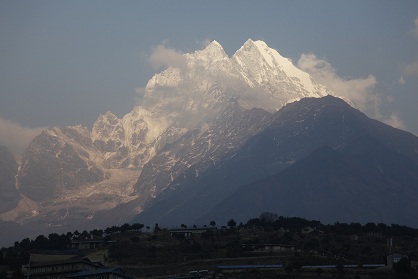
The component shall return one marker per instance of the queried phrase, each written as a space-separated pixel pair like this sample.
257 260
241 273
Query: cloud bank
16 137
414 30
163 57
411 70
360 92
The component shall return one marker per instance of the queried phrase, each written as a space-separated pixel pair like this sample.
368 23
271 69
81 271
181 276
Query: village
265 247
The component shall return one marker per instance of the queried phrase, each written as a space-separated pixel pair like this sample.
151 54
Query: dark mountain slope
378 185
292 134
188 160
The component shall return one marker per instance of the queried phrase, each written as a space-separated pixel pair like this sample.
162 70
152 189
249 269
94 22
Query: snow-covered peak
264 66
274 59
179 98
214 45
212 53
271 56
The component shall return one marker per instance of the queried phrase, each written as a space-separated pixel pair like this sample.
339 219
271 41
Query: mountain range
214 138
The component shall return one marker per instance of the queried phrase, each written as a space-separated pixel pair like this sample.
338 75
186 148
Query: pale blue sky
65 62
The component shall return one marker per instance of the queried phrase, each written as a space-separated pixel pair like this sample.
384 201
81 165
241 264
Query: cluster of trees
271 221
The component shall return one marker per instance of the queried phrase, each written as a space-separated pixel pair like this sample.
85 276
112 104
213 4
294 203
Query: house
89 244
59 269
269 247
187 233
76 267
101 273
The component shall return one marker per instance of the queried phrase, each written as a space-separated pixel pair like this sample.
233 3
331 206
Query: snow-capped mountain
72 167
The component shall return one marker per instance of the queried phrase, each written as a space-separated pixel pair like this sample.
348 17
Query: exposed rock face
200 149
58 160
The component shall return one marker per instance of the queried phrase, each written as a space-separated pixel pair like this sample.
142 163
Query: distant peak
214 43
258 43
255 46
107 117
213 50
249 42
261 44
109 114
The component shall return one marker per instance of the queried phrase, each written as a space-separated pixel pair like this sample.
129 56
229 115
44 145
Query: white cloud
414 30
140 93
203 43
411 69
401 81
163 57
15 136
360 92
394 121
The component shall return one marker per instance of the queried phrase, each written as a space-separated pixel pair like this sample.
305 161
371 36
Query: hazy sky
65 62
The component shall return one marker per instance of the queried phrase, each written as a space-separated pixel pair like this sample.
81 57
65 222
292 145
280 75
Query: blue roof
250 266
113 270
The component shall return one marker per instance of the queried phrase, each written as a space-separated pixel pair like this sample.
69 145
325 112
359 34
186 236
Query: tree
96 233
232 224
183 226
268 217
156 228
85 235
137 226
125 227
212 223
41 242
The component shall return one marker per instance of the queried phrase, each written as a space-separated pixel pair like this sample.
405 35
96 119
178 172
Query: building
187 233
101 273
268 247
59 269
72 268
90 244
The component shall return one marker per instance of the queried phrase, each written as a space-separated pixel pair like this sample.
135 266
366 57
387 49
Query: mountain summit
256 75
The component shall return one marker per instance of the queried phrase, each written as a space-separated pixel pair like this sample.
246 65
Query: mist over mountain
208 127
